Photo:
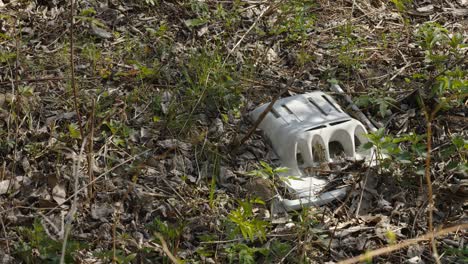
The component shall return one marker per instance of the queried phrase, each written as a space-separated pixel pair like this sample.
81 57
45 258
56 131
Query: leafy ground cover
121 142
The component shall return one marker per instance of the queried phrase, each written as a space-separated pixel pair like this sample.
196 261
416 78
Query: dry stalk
381 251
166 250
5 234
14 110
90 152
72 69
71 215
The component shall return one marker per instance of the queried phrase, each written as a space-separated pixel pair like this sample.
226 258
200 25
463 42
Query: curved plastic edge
319 200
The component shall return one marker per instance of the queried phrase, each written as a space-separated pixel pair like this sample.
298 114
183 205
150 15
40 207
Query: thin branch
381 251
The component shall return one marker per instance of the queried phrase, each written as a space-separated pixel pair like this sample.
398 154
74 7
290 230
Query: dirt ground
120 133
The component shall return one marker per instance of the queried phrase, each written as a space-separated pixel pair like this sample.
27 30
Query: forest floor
134 154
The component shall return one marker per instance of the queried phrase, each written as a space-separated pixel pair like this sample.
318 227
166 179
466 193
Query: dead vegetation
130 143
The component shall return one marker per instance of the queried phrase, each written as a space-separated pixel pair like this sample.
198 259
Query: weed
402 5
382 101
209 84
458 148
246 223
295 20
171 233
117 256
231 17
243 254
92 53
460 254
7 57
119 130
34 244
269 173
216 168
349 55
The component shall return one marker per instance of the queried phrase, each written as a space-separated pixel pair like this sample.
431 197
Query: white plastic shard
305 131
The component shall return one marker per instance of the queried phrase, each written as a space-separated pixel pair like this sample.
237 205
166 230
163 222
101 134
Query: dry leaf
59 193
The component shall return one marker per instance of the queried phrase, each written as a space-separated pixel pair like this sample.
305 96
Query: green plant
439 44
460 254
384 145
383 102
201 11
92 53
295 19
216 167
269 173
243 254
389 147
402 5
170 233
459 147
119 256
209 84
246 222
278 250
349 55
119 131
35 245
230 17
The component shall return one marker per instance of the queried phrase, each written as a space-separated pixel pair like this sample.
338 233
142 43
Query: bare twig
381 251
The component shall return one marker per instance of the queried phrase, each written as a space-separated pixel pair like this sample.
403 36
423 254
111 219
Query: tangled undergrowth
120 142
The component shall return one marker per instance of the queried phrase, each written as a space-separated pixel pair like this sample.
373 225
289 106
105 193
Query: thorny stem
429 116
427 175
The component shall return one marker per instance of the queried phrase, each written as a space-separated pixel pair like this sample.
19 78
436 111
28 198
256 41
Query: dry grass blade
166 250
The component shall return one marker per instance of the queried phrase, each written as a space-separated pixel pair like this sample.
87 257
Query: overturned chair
307 130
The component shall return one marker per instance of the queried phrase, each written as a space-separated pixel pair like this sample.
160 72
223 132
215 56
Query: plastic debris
307 131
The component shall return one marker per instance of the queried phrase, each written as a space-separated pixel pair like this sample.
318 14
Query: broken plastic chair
306 130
